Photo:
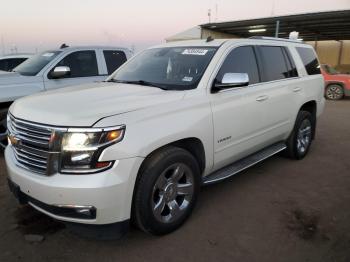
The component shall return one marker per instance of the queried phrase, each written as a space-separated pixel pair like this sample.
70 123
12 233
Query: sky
36 25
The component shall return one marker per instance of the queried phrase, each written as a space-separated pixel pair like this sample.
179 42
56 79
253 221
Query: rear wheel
334 92
299 142
3 128
166 191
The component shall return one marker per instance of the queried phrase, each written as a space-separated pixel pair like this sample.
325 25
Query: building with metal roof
328 32
333 25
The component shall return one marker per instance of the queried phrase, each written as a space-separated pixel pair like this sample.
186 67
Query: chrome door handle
262 98
296 89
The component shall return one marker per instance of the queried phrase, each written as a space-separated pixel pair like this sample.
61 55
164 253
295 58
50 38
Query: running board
243 164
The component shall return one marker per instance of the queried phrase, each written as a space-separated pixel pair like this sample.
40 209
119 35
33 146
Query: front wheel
299 142
166 191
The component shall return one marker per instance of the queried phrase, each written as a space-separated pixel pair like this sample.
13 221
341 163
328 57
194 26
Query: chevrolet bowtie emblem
14 140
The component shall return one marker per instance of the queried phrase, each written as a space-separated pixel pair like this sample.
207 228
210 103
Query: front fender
149 129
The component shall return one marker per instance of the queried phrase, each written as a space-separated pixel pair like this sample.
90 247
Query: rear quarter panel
312 85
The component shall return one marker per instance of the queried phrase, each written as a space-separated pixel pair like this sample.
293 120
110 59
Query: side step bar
243 164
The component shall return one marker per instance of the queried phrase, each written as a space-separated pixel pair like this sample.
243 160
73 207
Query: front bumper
102 198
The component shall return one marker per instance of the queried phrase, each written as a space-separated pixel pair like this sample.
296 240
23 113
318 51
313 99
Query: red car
337 85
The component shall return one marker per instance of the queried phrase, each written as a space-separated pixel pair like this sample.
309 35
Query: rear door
84 69
280 84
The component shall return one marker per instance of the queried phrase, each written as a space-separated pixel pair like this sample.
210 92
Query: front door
237 115
83 69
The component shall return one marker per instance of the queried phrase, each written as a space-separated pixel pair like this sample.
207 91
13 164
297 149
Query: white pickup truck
55 69
175 117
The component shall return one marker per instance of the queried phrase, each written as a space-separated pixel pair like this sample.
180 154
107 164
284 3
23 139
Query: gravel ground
278 210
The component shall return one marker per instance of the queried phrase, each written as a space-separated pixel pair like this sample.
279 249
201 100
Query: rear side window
274 66
240 60
15 62
81 63
309 59
292 69
4 65
11 63
114 59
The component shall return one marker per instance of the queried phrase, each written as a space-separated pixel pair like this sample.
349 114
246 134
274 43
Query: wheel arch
335 83
311 107
5 105
191 144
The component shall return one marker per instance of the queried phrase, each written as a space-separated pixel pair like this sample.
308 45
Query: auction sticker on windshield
187 79
195 51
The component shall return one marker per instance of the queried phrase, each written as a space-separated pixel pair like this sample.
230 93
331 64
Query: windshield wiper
138 82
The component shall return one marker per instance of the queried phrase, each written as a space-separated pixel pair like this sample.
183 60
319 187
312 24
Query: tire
299 142
3 128
166 191
334 92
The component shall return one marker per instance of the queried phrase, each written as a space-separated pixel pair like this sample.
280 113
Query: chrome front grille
31 144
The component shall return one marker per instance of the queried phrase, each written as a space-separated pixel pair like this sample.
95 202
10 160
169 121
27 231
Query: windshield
33 65
170 68
330 70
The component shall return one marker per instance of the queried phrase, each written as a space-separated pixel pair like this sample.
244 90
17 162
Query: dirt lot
279 210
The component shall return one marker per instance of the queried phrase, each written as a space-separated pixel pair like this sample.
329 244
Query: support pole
316 43
340 52
277 28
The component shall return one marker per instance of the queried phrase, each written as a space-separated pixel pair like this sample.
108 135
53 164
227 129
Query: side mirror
60 71
230 80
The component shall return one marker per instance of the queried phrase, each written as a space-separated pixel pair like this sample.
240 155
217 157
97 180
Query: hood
84 105
337 77
9 78
342 76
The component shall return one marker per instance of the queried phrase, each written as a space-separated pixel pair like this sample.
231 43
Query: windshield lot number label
195 51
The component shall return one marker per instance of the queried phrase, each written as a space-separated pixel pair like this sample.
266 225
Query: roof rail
275 39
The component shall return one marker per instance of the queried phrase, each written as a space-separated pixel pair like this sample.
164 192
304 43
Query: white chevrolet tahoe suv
176 116
55 69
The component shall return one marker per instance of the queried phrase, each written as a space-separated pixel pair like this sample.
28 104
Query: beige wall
329 53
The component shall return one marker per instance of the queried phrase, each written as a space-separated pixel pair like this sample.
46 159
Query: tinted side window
240 60
114 59
273 63
4 65
81 63
15 62
292 70
309 60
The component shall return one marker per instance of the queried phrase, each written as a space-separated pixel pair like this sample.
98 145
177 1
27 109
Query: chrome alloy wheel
304 136
172 193
334 92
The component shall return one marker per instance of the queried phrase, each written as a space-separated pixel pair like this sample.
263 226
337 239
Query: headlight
81 149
